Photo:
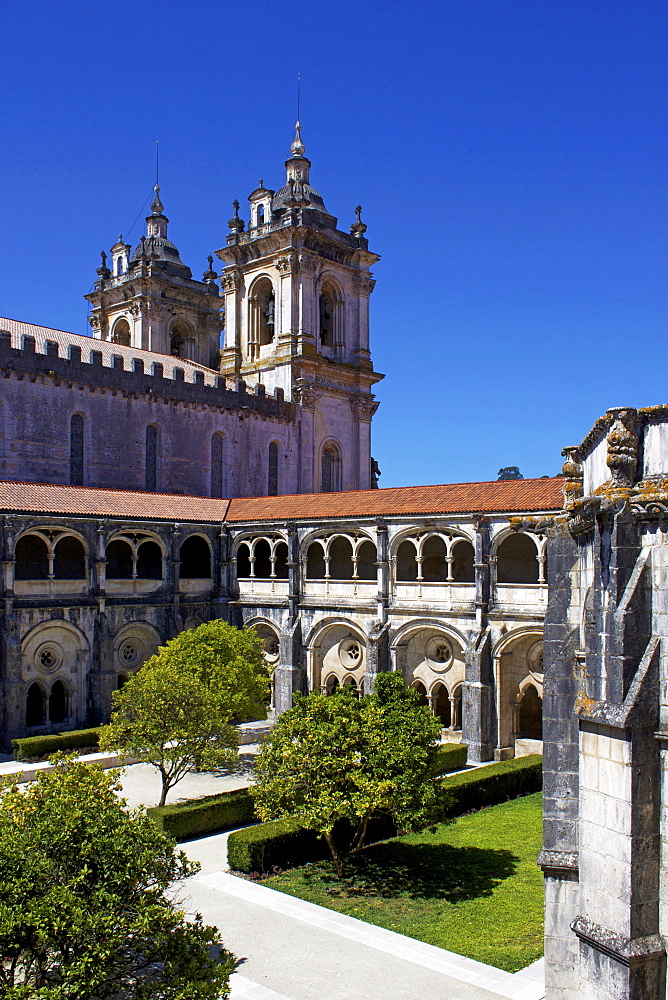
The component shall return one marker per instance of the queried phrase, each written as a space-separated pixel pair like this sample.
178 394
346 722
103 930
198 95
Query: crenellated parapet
134 373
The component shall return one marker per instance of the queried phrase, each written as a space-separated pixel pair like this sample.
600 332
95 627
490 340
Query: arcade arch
518 670
336 652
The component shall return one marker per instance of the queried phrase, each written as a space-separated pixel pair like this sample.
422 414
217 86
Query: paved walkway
294 950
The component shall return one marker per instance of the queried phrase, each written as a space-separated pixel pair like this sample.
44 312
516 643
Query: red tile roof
88 501
512 497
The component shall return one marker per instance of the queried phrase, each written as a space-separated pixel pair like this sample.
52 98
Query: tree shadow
419 871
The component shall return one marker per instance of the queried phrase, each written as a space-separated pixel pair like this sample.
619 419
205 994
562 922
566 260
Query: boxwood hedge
283 843
40 746
207 815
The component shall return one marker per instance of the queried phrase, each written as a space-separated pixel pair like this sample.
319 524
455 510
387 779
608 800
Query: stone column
478 705
290 674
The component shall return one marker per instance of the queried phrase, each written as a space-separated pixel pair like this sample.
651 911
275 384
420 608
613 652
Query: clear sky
510 155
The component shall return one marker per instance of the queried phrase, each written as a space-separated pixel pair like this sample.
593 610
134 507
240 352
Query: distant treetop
510 472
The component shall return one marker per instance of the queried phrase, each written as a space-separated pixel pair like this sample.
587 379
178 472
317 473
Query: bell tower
150 300
297 318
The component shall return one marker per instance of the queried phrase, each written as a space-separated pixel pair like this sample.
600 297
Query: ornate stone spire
157 208
297 148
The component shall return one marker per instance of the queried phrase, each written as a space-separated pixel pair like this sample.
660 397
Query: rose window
271 649
129 653
350 653
439 653
49 656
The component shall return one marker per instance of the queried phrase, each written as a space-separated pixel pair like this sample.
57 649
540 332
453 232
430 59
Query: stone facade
91 585
155 401
605 715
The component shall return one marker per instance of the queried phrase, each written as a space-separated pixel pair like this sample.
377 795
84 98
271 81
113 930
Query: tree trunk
338 861
360 835
165 789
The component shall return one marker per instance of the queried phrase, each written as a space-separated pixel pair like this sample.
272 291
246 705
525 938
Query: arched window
457 708
149 561
260 215
315 562
151 458
281 561
530 714
218 466
262 553
517 560
195 556
35 706
330 470
421 690
406 562
341 559
243 561
331 317
69 560
76 450
57 702
272 483
119 560
331 684
434 564
182 341
262 319
366 561
463 558
32 559
121 331
440 703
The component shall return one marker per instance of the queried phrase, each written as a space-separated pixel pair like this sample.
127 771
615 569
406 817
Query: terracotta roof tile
512 496
18 330
87 501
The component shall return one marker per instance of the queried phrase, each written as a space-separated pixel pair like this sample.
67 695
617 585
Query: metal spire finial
297 148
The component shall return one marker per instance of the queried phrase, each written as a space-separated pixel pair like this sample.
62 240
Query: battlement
120 369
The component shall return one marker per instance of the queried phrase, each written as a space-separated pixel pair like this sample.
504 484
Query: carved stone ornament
231 280
364 284
364 406
306 394
307 263
622 457
572 470
287 264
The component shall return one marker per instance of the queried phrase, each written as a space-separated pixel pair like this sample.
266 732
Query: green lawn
472 887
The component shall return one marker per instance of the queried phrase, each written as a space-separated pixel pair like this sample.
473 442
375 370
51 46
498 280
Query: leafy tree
175 712
229 661
84 913
334 758
168 717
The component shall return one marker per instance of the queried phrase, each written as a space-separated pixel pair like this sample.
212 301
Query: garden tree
168 717
229 660
334 758
83 910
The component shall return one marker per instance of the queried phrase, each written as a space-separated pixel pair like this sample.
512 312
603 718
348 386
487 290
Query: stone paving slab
307 952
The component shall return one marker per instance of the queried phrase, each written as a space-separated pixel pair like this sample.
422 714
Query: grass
472 886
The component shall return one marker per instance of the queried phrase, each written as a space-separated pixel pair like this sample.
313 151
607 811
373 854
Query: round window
49 656
271 649
439 653
351 653
129 653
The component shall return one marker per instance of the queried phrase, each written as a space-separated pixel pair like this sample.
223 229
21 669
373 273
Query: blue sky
511 158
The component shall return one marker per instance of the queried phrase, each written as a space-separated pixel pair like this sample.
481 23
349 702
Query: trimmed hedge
40 746
450 757
489 785
284 844
208 815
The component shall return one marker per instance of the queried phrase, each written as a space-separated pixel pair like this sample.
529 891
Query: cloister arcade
341 581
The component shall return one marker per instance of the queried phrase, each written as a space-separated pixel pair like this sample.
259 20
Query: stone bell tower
297 318
149 300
